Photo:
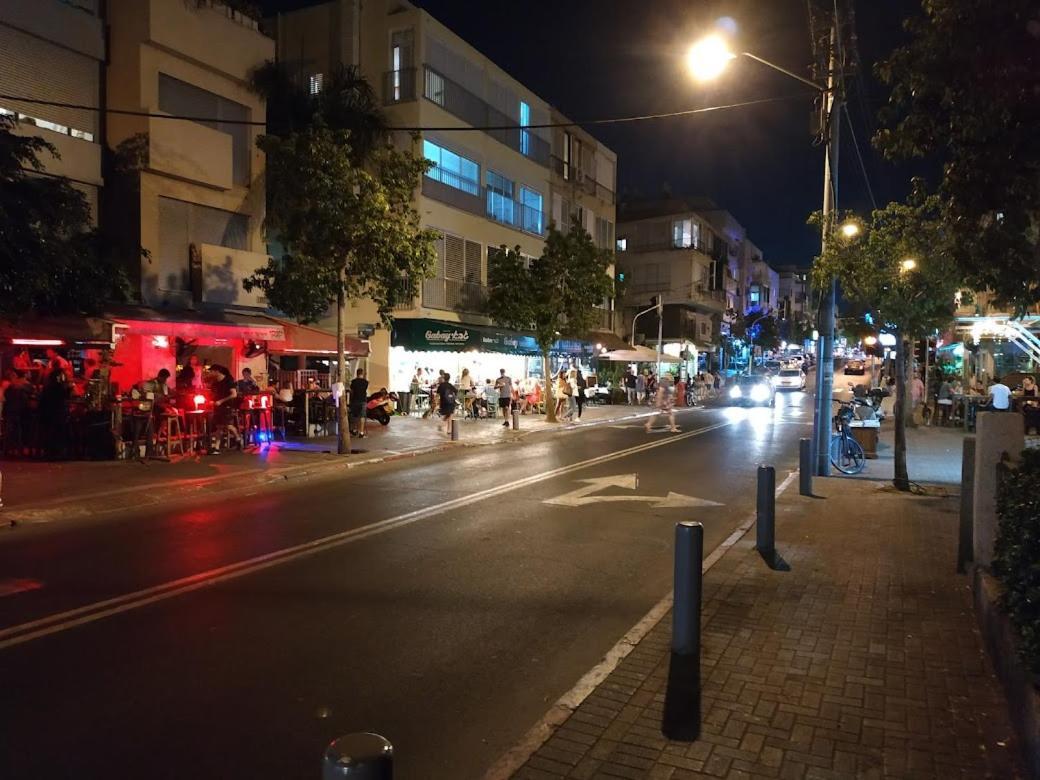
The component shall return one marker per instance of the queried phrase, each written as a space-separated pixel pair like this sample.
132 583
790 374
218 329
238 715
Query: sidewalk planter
1020 686
866 433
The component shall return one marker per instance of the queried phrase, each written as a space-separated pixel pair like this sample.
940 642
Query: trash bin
405 398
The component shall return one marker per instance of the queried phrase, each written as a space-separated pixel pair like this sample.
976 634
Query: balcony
451 189
665 246
580 179
398 86
471 109
190 151
454 295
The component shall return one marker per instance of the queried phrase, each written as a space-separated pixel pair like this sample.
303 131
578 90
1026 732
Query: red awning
305 340
40 331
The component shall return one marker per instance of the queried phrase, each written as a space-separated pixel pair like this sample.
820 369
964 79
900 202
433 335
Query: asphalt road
441 602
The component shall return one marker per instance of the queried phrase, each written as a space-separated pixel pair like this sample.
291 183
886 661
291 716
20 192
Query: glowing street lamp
850 229
870 341
907 265
708 57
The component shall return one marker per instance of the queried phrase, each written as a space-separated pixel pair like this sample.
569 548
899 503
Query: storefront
431 346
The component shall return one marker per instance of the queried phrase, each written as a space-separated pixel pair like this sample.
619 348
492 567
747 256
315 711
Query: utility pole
825 326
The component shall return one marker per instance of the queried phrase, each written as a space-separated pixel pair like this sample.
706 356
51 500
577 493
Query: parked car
751 391
791 378
855 366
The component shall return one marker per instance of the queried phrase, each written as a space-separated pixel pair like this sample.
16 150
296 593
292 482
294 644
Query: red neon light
263 402
38 342
200 400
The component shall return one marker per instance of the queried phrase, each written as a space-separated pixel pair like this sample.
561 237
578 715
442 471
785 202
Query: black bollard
765 516
682 703
805 472
363 756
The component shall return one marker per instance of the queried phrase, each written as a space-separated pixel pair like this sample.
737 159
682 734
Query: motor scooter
381 407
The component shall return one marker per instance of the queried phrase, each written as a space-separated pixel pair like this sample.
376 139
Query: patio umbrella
638 354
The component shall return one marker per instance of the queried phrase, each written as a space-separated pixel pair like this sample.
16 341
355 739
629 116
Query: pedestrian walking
579 397
446 399
664 400
640 388
630 387
563 392
504 386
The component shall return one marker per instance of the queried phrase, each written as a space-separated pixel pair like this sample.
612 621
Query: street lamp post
707 59
751 339
659 308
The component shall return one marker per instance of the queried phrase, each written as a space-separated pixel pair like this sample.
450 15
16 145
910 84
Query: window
315 83
434 87
184 99
452 169
525 135
395 66
531 201
501 192
566 155
754 294
622 245
682 233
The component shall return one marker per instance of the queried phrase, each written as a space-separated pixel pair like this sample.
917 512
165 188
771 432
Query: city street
235 637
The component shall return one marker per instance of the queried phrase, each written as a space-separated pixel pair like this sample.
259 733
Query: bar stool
170 424
196 428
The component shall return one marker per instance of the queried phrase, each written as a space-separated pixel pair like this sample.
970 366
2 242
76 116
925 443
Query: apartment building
54 51
667 250
196 202
793 301
583 186
487 188
762 289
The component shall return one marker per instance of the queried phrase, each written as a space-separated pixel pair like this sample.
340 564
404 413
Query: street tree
351 230
52 260
555 296
964 92
903 271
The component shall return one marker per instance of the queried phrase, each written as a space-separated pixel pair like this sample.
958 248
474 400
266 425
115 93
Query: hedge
1016 553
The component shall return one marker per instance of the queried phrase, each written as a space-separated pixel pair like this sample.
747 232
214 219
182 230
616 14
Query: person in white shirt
999 395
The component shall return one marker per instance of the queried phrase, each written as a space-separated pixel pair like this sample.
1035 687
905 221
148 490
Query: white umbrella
638 354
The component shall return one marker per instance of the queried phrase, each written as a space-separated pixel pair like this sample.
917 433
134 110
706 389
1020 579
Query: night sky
597 59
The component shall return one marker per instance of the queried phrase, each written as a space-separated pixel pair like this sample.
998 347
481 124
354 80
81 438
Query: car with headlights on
790 378
751 391
855 366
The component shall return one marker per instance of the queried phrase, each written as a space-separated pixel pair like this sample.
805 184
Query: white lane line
89 613
511 761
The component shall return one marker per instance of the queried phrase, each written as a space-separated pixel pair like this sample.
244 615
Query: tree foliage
52 261
903 271
764 329
966 90
556 296
352 231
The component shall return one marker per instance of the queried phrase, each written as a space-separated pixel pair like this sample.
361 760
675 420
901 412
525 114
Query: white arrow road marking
583 495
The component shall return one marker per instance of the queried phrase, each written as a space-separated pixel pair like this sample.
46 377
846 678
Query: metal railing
659 246
515 214
454 295
586 183
398 86
459 101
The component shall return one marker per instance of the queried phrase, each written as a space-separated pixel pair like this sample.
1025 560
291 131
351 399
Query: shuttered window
473 257
454 257
216 112
42 70
182 223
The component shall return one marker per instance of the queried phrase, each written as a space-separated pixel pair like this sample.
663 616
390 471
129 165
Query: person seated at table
247 385
157 389
16 413
22 362
285 393
532 399
999 396
225 401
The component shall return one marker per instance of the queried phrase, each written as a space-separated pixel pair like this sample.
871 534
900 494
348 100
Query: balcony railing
604 319
515 214
582 180
457 100
660 246
398 86
454 295
467 195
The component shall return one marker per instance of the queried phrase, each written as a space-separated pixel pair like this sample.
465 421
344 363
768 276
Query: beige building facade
55 51
486 189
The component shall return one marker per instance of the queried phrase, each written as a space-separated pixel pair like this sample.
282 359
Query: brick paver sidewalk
863 660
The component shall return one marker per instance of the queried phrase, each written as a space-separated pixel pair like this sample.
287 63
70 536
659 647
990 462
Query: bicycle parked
847 454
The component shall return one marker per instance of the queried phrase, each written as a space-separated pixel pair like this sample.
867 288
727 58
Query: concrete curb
152 493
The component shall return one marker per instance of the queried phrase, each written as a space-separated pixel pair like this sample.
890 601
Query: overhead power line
859 155
467 128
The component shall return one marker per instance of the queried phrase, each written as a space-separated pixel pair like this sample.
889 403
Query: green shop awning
425 335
